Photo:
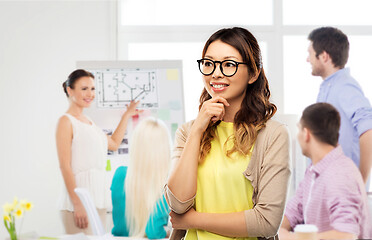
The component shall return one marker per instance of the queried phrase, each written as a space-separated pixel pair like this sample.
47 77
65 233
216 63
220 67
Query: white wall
40 42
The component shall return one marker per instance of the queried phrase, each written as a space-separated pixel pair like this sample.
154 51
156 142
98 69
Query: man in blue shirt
328 54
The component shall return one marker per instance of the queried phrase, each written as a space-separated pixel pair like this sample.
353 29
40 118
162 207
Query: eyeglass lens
227 67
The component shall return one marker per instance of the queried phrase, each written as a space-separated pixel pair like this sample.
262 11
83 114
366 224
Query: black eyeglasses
228 67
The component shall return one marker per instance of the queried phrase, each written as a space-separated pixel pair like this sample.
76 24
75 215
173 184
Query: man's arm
285 230
333 234
365 142
359 111
285 233
286 224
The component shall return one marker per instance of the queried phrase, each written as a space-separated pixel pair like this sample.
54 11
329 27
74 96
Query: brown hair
323 121
332 41
73 77
256 108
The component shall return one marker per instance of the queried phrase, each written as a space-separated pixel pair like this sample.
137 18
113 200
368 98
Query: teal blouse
157 220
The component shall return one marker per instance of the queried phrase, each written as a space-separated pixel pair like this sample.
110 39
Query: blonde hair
149 152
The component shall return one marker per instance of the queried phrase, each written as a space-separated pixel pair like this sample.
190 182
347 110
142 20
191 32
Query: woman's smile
219 87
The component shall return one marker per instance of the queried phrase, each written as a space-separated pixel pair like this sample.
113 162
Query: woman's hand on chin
211 110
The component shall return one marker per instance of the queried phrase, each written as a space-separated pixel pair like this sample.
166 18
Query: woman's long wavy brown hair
256 109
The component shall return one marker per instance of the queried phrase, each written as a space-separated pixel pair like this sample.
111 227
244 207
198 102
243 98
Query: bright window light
300 87
195 12
329 12
263 48
359 62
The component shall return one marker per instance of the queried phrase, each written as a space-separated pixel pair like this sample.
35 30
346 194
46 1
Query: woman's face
83 93
231 88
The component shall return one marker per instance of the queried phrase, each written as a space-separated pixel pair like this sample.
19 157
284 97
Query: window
360 52
297 76
330 12
220 12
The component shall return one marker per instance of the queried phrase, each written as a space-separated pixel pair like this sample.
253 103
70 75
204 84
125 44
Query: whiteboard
157 85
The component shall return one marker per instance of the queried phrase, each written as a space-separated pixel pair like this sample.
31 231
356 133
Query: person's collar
335 74
327 160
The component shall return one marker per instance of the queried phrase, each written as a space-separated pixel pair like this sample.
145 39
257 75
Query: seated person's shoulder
119 176
122 170
344 178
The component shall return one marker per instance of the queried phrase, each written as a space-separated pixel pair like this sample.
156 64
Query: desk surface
81 236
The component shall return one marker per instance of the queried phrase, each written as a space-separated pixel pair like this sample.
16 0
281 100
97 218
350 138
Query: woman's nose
217 71
91 93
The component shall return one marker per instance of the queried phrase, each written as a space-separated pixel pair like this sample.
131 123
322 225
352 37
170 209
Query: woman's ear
254 78
69 91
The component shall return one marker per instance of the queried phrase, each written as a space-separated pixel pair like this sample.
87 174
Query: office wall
40 42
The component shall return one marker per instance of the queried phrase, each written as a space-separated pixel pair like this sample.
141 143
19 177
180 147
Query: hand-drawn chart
115 88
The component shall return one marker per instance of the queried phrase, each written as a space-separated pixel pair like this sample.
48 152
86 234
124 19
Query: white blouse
88 159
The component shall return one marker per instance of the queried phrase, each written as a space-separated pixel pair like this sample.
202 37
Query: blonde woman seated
139 206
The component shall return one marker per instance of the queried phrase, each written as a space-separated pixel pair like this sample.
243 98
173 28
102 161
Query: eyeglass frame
221 69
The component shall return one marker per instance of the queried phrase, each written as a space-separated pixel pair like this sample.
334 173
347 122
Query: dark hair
323 121
73 77
256 108
332 41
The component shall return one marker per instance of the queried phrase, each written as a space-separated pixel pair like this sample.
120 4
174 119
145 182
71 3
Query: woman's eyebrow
227 57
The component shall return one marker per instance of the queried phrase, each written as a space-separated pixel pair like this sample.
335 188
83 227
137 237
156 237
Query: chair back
90 208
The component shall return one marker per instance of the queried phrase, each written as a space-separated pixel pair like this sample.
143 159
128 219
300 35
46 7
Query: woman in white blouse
82 149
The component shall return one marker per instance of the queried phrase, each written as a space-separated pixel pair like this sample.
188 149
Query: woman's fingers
211 110
216 111
81 221
220 100
77 221
85 222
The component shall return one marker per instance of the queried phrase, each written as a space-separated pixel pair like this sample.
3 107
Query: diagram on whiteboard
116 88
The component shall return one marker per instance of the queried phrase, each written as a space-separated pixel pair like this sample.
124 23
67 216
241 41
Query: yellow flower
7 218
19 213
15 202
26 205
8 208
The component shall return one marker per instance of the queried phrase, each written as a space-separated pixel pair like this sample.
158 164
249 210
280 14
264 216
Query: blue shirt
344 93
157 220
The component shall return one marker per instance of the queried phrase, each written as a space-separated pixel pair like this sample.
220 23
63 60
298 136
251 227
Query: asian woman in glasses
231 169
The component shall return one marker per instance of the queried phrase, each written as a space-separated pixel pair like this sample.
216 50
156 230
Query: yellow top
221 185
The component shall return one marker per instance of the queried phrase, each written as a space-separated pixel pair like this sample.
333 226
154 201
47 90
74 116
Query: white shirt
88 159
